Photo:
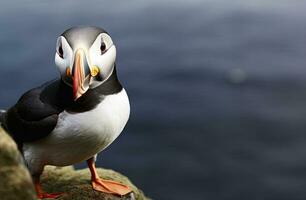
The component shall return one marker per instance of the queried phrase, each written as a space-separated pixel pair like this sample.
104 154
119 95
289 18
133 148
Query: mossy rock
76 184
16 182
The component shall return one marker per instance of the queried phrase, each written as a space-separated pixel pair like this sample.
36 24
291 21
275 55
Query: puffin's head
85 57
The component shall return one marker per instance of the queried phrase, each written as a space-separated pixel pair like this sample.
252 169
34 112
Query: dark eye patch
60 51
102 47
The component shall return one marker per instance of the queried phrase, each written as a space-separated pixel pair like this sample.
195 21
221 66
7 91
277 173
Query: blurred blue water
217 89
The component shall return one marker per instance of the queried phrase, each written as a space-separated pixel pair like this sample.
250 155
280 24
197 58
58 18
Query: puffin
71 119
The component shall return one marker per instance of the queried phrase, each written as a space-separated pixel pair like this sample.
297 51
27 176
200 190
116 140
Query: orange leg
103 185
41 194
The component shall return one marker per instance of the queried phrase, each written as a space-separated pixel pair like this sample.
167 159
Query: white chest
79 136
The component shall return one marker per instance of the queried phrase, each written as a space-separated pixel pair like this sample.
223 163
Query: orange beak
80 75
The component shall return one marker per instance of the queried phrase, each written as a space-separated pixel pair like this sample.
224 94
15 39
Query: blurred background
217 89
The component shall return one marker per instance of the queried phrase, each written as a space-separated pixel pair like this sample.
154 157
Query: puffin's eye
60 51
102 47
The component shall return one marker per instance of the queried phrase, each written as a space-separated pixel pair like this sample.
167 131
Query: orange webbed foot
111 187
41 194
49 195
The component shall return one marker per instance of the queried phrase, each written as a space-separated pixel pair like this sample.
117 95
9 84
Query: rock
16 182
76 184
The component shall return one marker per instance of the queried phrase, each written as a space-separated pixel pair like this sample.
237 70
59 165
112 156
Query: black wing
32 118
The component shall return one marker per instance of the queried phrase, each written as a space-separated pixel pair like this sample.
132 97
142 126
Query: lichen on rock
16 183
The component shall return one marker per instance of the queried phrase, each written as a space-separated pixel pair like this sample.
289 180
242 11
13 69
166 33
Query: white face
97 61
